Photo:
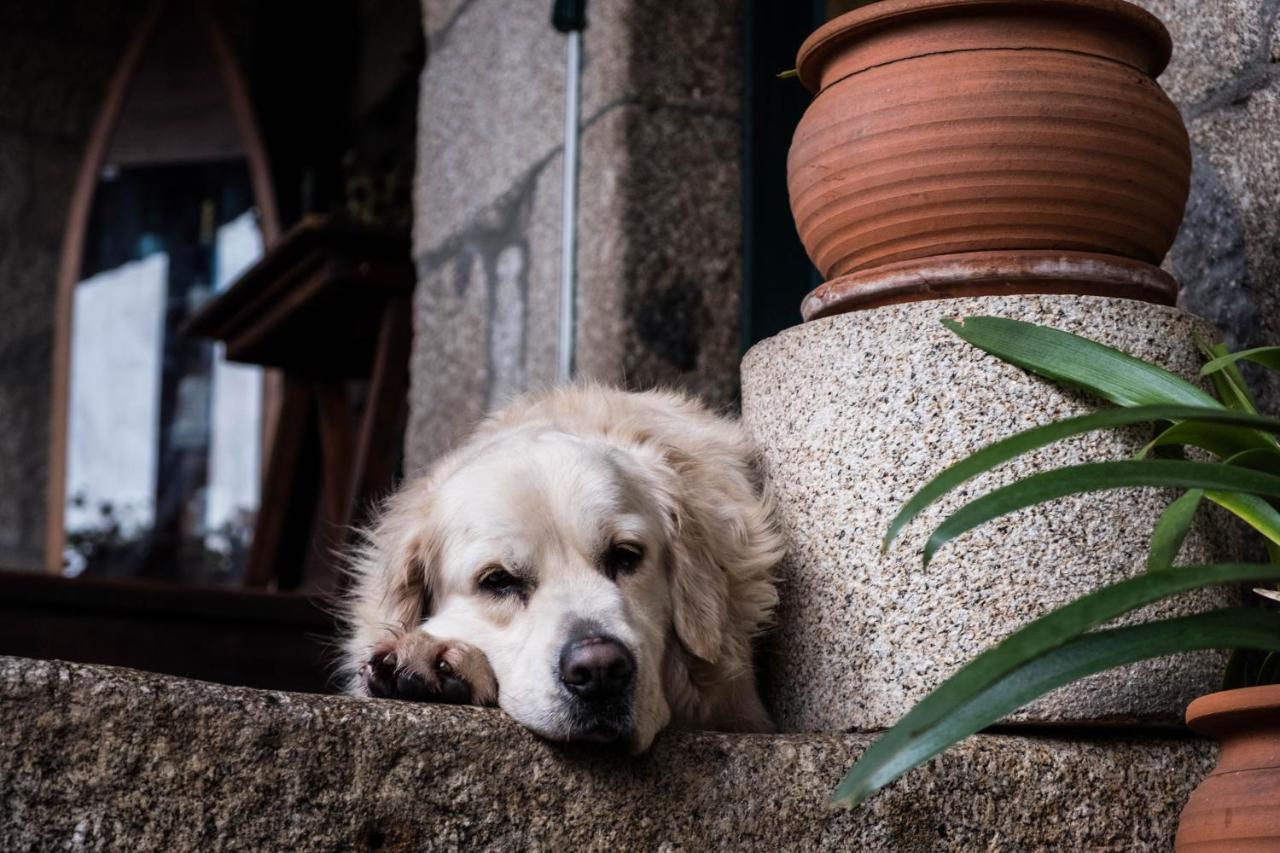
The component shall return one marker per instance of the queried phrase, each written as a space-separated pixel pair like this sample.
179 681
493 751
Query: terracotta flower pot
1238 807
964 147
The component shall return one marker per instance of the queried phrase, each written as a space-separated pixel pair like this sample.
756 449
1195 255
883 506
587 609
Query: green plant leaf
909 743
1016 445
1236 673
1268 357
1219 440
1232 394
1171 530
1099 476
1228 382
1064 357
1262 459
1269 672
1047 632
1252 510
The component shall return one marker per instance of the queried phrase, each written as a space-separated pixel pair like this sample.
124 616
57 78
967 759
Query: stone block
660 284
24 424
853 414
484 315
55 61
439 15
93 758
1228 256
37 178
1213 43
491 107
492 93
686 56
658 300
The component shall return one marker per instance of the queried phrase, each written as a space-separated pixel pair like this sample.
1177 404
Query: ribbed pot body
1238 807
943 127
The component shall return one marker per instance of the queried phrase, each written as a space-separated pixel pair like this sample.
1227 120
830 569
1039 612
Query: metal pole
569 17
569 210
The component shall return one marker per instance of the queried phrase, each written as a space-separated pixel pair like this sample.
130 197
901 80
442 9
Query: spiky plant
1237 467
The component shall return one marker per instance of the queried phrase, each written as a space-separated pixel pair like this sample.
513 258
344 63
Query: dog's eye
500 582
622 559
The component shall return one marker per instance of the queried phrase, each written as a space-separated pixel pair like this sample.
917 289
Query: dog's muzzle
598 672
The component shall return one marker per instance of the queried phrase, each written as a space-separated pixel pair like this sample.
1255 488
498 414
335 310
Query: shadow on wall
1210 261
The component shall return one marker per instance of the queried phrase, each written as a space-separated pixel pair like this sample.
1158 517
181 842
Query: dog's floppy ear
406 553
699 587
724 545
391 572
412 576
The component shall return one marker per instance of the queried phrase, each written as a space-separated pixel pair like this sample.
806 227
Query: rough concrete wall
659 215
1226 77
55 60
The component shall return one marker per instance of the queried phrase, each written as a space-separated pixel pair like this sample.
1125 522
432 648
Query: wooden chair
329 305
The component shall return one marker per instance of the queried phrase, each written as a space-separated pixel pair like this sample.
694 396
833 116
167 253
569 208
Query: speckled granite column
853 414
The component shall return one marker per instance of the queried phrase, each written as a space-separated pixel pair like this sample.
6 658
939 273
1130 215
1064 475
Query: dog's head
587 570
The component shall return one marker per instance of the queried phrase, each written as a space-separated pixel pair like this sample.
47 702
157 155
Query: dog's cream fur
539 490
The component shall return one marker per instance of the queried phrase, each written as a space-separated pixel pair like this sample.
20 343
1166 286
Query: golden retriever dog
595 562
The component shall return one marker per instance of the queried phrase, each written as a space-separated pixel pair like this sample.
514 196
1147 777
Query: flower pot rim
993 273
1202 713
813 51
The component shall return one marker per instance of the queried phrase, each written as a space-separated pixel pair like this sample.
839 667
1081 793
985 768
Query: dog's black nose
596 667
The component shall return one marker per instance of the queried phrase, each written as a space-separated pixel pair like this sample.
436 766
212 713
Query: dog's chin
616 729
614 722
603 733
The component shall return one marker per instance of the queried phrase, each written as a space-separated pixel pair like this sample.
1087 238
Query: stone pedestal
855 413
93 758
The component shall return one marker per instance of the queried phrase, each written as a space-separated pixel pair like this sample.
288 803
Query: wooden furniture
329 305
278 641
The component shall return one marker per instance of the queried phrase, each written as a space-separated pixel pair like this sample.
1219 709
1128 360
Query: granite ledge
96 758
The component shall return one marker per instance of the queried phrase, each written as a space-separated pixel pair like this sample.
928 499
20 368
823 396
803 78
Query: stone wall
55 60
659 253
1226 77
659 214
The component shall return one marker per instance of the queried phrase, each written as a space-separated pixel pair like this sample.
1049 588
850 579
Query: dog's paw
386 676
420 668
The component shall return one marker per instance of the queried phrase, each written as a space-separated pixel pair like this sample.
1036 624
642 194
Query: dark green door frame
776 272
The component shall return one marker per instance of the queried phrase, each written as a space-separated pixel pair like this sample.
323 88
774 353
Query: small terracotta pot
946 128
1238 807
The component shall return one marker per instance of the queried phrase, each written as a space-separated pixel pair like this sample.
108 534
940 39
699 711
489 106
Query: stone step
854 413
96 758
